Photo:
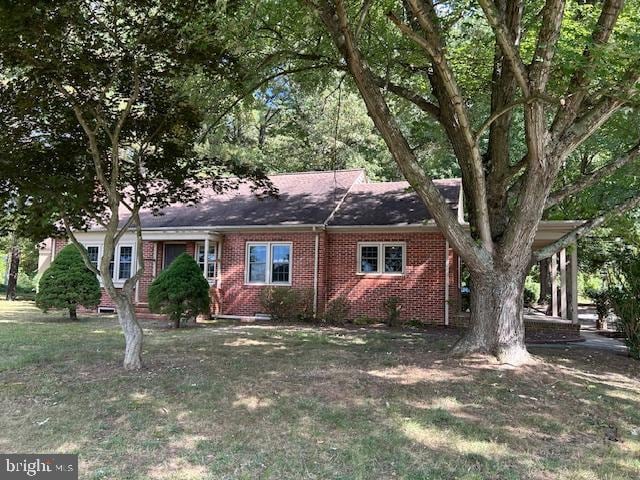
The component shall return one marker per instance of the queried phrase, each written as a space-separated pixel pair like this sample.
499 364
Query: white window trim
269 246
117 282
116 263
380 272
213 279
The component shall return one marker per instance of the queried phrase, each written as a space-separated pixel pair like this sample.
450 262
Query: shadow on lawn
269 401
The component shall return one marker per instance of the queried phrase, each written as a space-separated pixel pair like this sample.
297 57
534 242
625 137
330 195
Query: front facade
333 234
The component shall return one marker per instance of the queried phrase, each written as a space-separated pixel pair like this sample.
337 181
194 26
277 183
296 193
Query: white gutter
446 282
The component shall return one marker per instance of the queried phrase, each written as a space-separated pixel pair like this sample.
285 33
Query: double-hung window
211 260
382 258
121 265
94 255
268 263
125 261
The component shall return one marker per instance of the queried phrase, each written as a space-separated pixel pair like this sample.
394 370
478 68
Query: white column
554 285
206 257
574 283
563 283
446 282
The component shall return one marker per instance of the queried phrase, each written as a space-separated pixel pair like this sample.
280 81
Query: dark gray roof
390 203
307 198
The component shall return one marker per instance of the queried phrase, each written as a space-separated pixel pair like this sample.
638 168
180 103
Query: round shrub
181 291
68 283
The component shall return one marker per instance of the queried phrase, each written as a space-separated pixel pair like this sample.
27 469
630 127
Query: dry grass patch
266 401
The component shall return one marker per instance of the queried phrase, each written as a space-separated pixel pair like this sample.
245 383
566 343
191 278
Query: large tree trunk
497 324
14 265
545 281
132 332
73 313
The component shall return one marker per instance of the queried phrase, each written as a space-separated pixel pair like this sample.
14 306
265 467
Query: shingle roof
307 198
390 203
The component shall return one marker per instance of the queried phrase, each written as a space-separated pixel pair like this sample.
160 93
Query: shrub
602 302
68 283
180 291
392 307
337 311
286 304
625 299
364 320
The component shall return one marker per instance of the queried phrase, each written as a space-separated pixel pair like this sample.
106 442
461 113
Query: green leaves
68 283
180 291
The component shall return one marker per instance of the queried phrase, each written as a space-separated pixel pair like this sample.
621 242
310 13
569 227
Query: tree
624 295
68 283
557 74
96 125
180 291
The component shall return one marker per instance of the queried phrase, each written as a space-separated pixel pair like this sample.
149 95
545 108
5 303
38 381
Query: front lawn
263 401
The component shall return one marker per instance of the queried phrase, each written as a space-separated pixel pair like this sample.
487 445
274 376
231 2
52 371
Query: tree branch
460 131
80 247
577 89
591 179
548 35
335 21
508 47
584 229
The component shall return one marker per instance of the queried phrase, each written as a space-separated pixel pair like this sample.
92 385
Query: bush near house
68 283
392 306
286 304
625 298
337 311
180 291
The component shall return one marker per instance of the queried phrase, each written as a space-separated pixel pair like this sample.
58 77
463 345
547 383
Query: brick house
333 233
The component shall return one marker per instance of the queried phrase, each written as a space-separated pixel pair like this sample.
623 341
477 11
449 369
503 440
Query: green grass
263 401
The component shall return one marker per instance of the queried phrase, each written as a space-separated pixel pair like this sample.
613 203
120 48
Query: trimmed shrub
181 292
286 304
392 307
68 283
337 311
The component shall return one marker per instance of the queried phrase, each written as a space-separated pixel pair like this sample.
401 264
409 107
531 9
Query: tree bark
14 265
176 322
545 281
132 333
497 323
73 313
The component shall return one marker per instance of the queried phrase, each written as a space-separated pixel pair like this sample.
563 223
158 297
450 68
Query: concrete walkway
587 317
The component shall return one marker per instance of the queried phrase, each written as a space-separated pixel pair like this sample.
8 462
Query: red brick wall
239 299
421 288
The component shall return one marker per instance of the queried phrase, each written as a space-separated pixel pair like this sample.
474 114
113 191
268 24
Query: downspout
446 283
315 272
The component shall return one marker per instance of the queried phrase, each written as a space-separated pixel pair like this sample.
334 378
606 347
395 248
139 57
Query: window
125 260
268 263
94 254
381 258
122 264
211 260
